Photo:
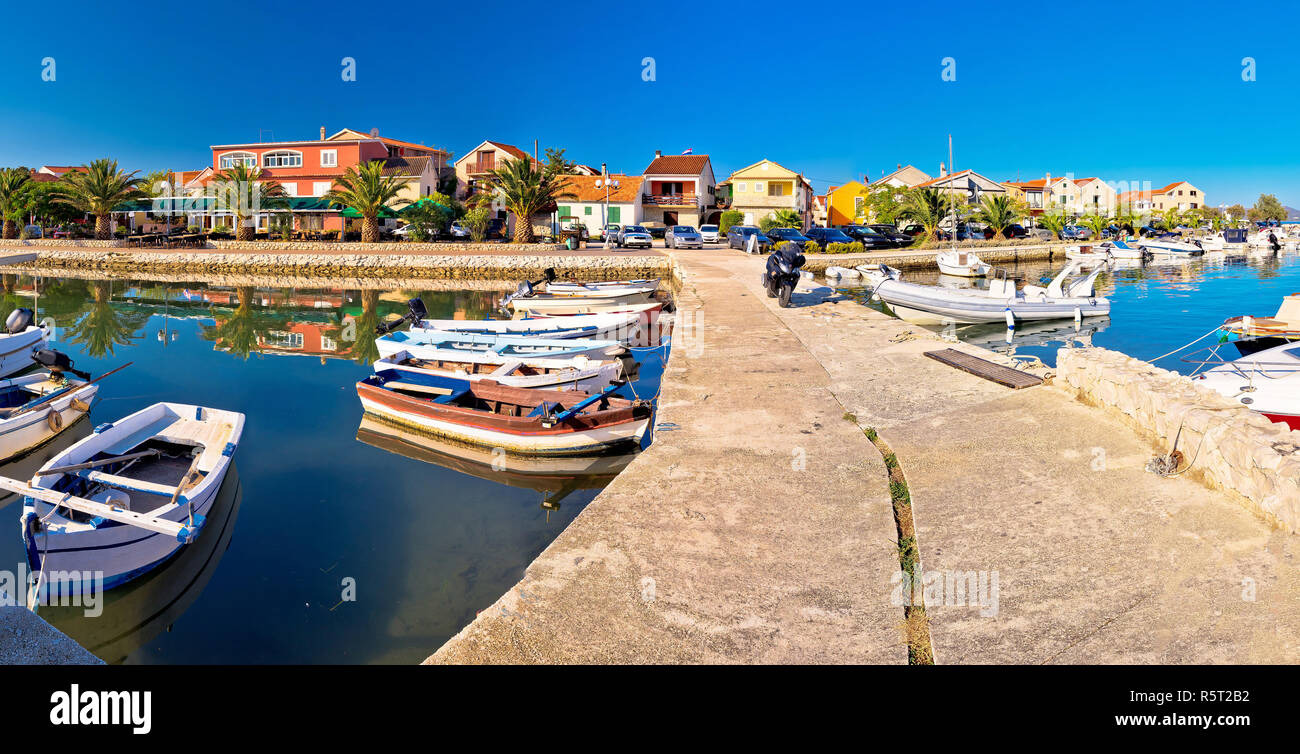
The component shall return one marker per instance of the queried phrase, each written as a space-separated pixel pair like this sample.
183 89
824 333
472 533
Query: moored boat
963 264
36 407
1171 245
621 325
1266 381
432 344
127 498
576 373
835 271
545 303
20 339
935 305
1254 334
614 287
517 420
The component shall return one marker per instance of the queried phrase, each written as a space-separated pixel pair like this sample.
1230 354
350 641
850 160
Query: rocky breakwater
1219 441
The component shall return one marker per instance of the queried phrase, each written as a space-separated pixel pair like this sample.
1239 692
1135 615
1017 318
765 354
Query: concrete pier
712 547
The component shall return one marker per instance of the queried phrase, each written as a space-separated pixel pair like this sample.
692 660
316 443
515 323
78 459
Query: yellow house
846 204
765 187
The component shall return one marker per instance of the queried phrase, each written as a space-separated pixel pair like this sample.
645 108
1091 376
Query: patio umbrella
422 202
383 212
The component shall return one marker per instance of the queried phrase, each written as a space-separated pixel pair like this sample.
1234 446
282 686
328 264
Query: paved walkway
711 548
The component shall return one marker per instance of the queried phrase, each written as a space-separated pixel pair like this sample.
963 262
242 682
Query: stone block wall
1228 446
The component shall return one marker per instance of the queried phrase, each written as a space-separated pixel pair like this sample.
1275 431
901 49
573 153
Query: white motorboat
878 271
575 373
934 305
20 339
841 272
1171 245
573 288
962 264
546 305
1266 381
431 344
1088 254
1117 249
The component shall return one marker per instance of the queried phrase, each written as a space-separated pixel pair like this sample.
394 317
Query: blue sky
1126 91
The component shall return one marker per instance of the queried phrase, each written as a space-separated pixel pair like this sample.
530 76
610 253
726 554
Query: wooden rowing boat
516 420
36 407
576 373
126 498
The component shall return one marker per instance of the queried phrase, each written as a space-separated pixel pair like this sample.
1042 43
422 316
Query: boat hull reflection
133 614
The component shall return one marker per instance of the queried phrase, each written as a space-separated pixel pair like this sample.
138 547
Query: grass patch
849 417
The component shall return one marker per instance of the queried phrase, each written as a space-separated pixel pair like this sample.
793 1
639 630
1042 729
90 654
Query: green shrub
812 248
845 248
729 218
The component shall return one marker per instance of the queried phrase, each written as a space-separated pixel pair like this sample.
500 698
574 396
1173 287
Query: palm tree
526 190
1054 220
787 218
98 191
998 212
927 207
1171 218
103 327
13 188
242 332
365 189
1127 217
1096 222
241 191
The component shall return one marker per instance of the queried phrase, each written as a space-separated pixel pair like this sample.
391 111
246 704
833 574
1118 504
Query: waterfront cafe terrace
311 214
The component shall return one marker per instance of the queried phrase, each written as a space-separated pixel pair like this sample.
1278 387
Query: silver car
709 234
634 235
683 237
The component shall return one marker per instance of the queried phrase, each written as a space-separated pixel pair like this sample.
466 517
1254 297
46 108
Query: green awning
422 202
383 212
180 204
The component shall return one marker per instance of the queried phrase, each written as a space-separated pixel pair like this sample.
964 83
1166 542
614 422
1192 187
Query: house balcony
481 168
670 200
722 202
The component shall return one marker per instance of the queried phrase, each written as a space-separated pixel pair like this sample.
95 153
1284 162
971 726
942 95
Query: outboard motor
19 320
782 273
57 362
415 312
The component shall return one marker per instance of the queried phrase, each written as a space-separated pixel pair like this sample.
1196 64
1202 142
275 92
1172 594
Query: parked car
634 235
780 235
610 231
869 238
683 237
656 230
709 233
827 236
892 233
1148 231
1042 234
738 238
1075 233
1011 231
457 230
34 231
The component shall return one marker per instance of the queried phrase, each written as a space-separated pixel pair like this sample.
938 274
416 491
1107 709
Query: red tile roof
628 191
1169 188
943 178
677 164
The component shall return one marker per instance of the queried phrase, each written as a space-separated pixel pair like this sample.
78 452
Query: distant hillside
1291 212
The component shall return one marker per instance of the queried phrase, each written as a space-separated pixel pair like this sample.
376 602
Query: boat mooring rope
1194 342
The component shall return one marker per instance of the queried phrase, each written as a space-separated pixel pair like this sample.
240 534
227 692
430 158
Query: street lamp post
607 182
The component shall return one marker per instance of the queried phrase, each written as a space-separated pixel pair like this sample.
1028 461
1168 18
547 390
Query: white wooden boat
1088 253
577 373
878 271
544 305
935 305
962 264
837 272
36 407
127 498
572 288
1266 381
621 325
20 339
432 344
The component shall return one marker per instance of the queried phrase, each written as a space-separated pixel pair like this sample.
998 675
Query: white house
589 203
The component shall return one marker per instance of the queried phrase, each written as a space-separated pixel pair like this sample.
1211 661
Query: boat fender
55 420
1011 319
1078 315
80 405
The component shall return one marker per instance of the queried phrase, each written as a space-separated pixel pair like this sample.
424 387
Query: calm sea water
428 535
1155 307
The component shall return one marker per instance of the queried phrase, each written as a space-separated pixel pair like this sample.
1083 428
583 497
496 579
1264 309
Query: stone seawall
517 264
1228 446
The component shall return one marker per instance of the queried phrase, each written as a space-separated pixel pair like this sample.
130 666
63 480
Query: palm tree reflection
103 327
243 331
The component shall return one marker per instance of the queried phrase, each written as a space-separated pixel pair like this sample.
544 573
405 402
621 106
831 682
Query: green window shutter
614 214
586 210
563 211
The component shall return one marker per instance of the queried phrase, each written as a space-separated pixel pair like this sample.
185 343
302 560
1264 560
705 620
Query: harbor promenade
714 546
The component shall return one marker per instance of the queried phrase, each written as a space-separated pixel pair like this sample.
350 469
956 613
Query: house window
232 159
740 187
615 214
318 188
329 158
290 189
282 160
563 212
586 210
776 189
758 188
1193 192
